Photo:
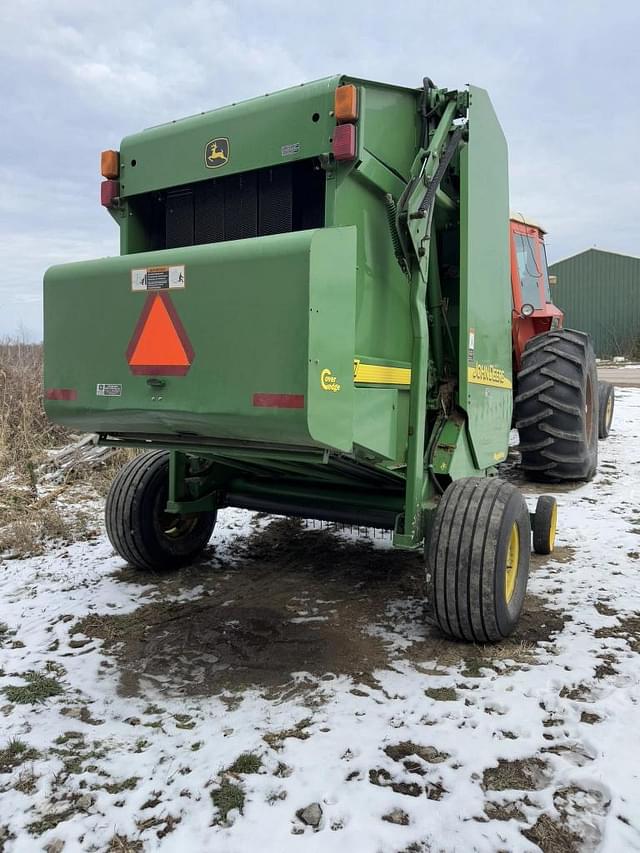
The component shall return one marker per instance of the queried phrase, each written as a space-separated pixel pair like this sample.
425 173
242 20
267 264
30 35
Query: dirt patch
523 774
294 600
606 668
591 719
505 811
206 648
603 608
580 693
553 837
561 554
579 827
628 628
406 748
277 739
382 778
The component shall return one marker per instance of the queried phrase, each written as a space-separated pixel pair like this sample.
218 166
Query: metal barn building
599 292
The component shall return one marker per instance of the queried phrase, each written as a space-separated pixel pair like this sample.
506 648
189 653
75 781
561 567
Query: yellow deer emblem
216 153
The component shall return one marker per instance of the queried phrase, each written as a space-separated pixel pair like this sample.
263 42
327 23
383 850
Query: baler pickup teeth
358 531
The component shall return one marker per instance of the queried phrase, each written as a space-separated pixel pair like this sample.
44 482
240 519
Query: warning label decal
108 389
157 278
291 148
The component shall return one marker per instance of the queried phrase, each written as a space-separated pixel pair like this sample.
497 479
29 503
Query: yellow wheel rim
553 524
609 414
513 558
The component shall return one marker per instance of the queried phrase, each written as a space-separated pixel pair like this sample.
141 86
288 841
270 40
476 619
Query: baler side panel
332 307
485 381
387 131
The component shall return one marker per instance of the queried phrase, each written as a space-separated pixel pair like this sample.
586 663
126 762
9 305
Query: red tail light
344 142
109 192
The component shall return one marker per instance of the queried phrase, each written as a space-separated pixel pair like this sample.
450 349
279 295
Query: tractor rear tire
138 526
478 559
556 407
606 402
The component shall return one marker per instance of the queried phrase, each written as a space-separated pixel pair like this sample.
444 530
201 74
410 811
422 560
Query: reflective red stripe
279 401
61 394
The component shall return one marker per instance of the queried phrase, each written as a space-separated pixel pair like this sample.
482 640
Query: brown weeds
24 429
32 507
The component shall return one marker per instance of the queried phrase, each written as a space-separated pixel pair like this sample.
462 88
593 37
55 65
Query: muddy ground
297 599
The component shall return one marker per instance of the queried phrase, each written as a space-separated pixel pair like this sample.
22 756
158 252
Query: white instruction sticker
472 345
157 278
108 389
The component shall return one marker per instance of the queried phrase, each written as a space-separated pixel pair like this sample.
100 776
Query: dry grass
24 429
30 513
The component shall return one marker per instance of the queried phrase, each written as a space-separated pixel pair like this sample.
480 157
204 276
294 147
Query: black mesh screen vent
274 200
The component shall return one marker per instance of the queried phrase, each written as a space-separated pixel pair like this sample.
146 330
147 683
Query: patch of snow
509 712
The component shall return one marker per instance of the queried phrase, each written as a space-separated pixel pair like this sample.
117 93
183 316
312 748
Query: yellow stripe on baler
378 374
488 374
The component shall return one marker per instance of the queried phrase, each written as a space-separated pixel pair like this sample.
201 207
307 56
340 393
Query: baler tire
140 530
545 521
556 404
478 559
606 403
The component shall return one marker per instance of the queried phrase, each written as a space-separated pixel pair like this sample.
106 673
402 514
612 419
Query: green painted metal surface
356 333
257 314
258 130
599 293
485 381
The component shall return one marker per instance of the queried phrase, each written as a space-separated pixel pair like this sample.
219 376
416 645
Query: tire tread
462 557
550 406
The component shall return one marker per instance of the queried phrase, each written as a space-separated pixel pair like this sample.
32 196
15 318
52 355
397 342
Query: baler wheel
545 523
140 529
478 559
606 402
556 407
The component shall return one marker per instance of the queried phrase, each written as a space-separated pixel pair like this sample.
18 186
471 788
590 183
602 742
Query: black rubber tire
467 559
606 403
135 521
544 524
556 407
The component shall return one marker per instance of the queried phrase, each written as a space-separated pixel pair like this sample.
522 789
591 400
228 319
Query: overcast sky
75 77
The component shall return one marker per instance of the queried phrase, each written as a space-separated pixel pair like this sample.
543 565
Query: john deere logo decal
216 153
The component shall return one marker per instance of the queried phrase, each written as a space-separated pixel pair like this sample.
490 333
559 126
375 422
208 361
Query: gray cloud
77 77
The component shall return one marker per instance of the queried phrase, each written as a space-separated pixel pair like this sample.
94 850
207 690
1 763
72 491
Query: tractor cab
533 308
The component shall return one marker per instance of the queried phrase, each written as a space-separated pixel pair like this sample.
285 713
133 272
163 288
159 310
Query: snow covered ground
290 677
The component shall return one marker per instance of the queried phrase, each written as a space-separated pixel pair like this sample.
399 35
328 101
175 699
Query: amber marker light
110 164
346 103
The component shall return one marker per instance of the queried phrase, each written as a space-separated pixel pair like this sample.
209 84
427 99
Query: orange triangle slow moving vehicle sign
159 345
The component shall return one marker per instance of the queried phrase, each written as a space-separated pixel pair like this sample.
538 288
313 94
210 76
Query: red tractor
560 408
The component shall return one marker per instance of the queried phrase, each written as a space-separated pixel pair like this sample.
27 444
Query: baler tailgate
252 344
